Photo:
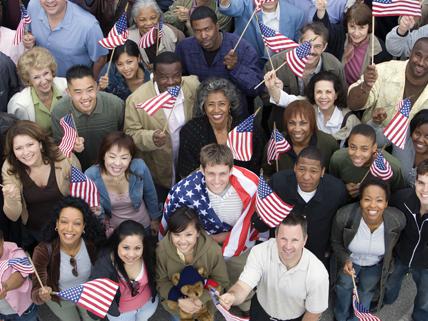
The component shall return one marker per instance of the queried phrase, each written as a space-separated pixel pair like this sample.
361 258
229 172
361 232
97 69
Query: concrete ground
399 311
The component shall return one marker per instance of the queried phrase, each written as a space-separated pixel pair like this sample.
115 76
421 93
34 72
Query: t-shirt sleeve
253 270
318 292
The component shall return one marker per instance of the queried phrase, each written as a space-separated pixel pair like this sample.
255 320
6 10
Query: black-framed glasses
135 286
73 263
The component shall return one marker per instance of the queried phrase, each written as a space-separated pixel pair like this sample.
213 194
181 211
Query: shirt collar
335 117
66 21
180 97
300 266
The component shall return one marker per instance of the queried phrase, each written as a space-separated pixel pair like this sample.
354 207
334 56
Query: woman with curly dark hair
129 260
36 175
65 257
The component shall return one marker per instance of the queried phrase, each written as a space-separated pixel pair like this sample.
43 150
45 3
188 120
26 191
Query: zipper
419 232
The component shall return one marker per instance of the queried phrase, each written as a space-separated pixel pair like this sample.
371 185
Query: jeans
29 315
141 314
367 279
420 276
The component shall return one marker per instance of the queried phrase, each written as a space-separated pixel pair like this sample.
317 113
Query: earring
83 232
56 228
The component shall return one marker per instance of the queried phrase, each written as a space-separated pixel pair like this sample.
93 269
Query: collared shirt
286 294
6 44
332 125
175 122
74 41
227 205
367 248
42 113
271 19
302 82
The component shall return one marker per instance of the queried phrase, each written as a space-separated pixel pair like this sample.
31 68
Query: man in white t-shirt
292 284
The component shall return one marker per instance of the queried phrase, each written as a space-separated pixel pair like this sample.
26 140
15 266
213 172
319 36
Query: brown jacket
46 260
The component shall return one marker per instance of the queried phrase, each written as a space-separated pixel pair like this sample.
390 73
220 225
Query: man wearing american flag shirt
224 197
158 136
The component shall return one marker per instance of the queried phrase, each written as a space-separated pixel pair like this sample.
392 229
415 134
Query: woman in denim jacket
125 184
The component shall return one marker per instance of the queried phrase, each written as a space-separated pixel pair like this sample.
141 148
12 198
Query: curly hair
131 228
94 231
214 85
35 58
143 4
50 151
340 101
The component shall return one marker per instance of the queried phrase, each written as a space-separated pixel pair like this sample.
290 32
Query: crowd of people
173 194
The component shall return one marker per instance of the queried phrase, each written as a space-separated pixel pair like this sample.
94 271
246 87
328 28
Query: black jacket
319 211
412 248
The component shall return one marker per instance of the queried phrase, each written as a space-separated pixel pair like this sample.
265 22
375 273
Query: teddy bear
189 283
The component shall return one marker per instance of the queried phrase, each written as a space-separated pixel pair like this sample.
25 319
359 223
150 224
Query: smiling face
167 75
83 94
420 139
27 150
54 7
146 19
421 189
361 150
186 240
70 225
217 177
418 60
41 80
217 108
117 160
130 249
373 202
325 95
357 33
299 130
290 242
317 48
128 66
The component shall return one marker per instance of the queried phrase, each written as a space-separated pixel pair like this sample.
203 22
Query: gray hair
142 4
217 84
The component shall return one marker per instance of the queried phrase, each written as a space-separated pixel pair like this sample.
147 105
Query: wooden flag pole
35 272
277 159
355 288
245 29
373 36
74 123
275 70
167 120
157 38
267 49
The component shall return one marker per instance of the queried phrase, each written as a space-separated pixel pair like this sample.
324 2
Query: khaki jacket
141 126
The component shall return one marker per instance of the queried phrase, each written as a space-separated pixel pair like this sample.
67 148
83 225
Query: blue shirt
74 41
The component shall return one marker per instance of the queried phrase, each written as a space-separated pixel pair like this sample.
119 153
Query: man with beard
317 61
383 86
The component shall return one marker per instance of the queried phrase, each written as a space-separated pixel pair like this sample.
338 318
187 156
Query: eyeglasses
135 286
73 263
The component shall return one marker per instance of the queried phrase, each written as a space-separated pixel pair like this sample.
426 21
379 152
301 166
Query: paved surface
399 311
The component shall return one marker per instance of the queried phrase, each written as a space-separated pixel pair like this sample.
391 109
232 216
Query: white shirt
175 122
286 294
332 125
227 206
6 44
271 19
307 196
367 248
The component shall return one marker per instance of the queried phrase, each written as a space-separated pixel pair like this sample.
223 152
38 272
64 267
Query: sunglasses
135 286
73 263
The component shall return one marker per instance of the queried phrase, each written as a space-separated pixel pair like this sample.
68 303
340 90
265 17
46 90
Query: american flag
70 135
117 35
20 264
25 20
192 192
384 8
361 312
297 58
381 167
240 140
258 3
95 296
269 206
274 40
226 314
396 130
277 145
164 100
82 187
150 37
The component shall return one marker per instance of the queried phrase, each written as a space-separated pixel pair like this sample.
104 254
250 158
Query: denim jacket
141 188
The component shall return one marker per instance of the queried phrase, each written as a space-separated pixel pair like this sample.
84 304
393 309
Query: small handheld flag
274 40
396 130
82 187
276 146
70 135
95 296
385 8
361 312
271 208
166 99
297 58
25 20
240 140
226 314
381 167
149 38
117 35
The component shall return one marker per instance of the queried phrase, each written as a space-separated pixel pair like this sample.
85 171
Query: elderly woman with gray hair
217 112
145 15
